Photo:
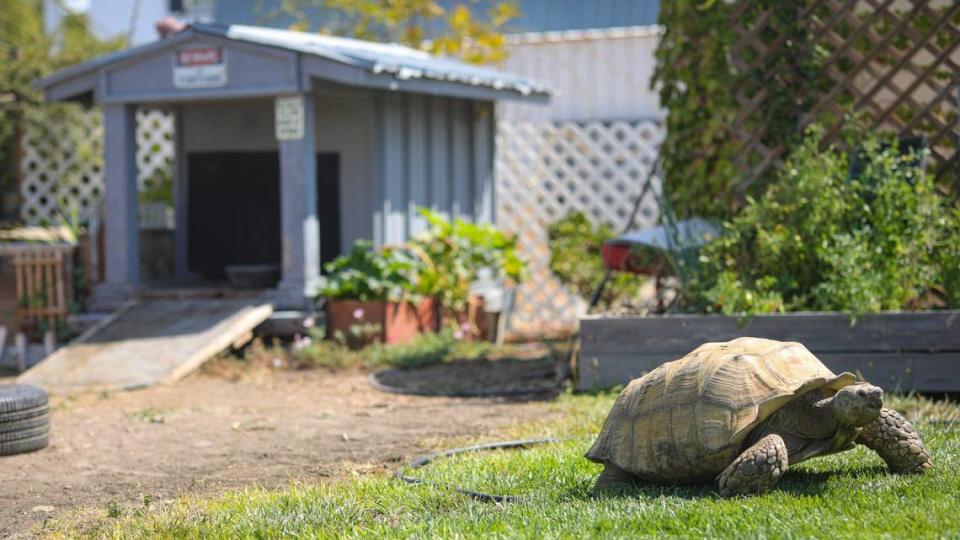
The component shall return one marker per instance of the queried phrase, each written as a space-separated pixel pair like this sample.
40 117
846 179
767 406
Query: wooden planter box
905 351
399 322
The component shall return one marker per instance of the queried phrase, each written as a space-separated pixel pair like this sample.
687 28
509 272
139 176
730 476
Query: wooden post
180 196
121 224
20 350
300 229
49 342
3 343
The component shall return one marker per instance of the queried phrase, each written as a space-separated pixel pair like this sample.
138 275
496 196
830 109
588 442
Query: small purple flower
465 327
358 313
309 322
277 362
458 334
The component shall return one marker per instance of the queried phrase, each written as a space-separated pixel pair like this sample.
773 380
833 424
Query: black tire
31 433
25 423
20 446
16 416
17 397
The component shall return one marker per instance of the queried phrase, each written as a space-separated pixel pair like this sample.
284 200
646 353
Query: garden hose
478 495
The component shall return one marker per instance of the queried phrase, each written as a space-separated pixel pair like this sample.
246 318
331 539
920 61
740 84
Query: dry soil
212 432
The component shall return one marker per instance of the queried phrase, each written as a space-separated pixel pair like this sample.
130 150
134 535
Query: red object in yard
621 257
399 322
615 256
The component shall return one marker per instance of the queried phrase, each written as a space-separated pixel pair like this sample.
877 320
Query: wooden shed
289 147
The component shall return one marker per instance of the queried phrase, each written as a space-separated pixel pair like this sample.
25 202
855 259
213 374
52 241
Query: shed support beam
121 221
300 229
180 196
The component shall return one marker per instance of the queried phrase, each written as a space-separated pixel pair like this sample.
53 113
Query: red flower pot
399 322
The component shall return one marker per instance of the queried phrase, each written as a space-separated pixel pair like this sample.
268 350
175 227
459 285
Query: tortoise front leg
757 469
897 442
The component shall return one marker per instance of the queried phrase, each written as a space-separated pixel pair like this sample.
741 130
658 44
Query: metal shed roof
376 60
401 61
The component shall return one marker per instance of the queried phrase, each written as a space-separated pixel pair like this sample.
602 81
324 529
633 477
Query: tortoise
739 413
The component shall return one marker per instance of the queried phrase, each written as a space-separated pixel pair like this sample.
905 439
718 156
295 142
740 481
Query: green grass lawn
845 495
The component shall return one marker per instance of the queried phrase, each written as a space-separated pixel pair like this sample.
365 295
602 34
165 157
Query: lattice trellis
896 63
546 170
62 166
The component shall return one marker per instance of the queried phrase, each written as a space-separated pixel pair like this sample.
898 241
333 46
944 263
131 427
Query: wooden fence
905 351
893 63
44 282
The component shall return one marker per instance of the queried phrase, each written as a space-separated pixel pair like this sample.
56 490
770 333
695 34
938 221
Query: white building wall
595 74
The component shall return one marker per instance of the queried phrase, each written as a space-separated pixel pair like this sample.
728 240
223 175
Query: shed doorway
233 210
328 205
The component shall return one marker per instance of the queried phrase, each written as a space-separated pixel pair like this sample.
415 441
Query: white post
300 229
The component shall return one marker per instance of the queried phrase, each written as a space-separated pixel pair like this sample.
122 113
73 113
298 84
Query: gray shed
289 147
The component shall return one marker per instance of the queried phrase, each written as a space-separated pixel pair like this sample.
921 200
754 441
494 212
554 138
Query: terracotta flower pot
399 322
346 316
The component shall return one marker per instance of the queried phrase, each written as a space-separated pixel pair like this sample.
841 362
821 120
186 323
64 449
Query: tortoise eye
861 393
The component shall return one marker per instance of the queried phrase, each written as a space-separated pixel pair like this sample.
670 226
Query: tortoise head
858 404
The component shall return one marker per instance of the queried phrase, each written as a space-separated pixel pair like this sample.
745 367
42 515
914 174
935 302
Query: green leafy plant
821 240
453 254
368 274
576 260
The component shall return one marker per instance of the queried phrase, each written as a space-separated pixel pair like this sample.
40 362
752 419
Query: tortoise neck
810 416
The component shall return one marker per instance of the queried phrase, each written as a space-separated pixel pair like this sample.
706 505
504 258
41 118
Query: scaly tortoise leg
897 442
613 478
757 469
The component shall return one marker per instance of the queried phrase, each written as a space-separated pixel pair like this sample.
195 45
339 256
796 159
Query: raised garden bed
905 351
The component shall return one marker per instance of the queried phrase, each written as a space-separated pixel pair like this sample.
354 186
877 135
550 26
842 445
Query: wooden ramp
147 343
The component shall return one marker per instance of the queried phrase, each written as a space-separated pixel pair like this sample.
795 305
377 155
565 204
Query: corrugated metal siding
605 78
435 152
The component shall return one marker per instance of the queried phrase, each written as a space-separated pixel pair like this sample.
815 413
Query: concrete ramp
147 343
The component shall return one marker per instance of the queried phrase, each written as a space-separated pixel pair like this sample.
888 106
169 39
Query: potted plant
452 256
369 299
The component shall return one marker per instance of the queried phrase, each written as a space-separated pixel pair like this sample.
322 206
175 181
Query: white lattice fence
62 164
546 170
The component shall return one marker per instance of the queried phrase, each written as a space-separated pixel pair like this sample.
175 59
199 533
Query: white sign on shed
200 67
288 113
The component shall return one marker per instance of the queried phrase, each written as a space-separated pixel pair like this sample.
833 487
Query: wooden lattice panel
895 63
546 170
62 173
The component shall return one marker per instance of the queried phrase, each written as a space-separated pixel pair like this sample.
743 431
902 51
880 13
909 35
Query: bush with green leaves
818 239
368 274
454 253
577 261
441 263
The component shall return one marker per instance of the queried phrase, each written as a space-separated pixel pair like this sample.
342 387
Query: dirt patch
210 433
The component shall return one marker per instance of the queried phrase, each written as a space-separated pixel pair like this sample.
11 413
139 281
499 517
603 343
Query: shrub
820 240
367 274
453 254
441 263
577 261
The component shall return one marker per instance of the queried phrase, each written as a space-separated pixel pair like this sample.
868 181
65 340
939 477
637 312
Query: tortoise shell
686 420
